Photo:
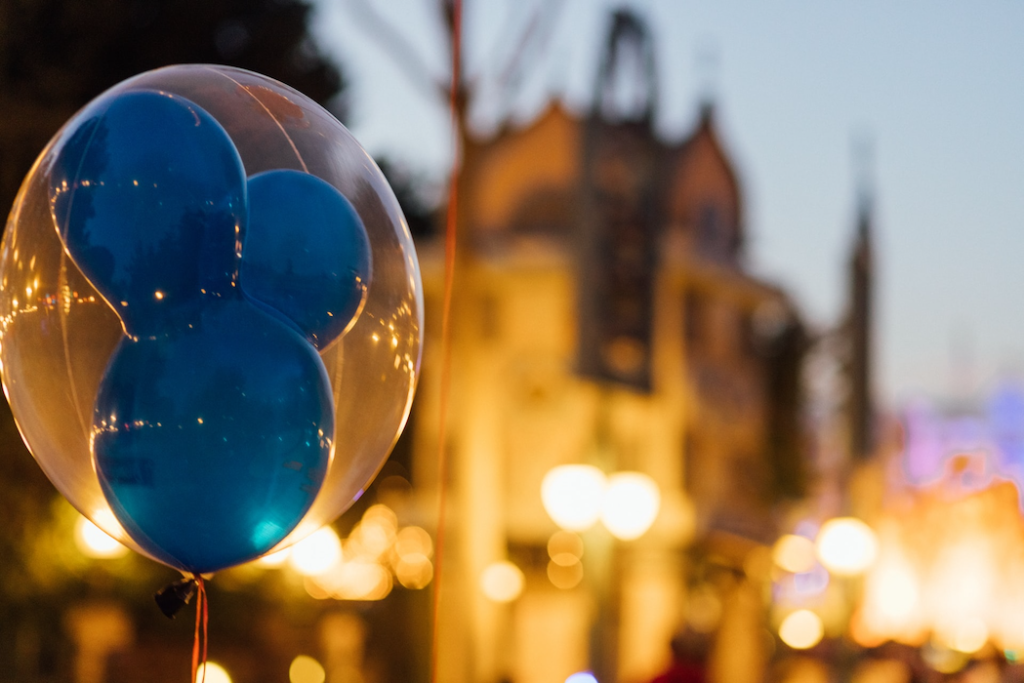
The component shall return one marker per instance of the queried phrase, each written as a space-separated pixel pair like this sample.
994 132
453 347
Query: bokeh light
581 677
573 495
96 543
315 590
414 570
305 669
801 629
565 548
502 582
275 559
374 534
412 540
565 576
943 659
966 636
631 504
211 672
846 546
794 553
316 554
704 610
355 580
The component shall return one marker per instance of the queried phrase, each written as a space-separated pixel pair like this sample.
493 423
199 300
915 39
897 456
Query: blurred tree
411 192
56 55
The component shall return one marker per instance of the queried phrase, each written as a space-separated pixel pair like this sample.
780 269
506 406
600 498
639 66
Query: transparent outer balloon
57 333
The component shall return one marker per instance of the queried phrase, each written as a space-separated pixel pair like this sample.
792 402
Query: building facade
603 314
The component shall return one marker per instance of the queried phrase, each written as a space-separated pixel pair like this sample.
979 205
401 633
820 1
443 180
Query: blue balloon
306 253
149 197
213 422
212 443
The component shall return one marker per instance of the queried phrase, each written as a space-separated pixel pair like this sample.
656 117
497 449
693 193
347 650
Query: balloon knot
174 596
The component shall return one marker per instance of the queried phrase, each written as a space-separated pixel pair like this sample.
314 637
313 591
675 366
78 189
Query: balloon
148 195
210 315
306 253
211 444
213 421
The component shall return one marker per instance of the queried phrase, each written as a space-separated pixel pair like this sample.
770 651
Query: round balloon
210 315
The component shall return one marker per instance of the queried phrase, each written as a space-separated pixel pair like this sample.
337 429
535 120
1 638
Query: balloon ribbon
451 231
202 619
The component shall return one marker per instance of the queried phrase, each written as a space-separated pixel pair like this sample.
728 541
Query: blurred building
603 315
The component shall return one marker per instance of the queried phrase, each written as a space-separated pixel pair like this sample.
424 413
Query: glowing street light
275 559
305 669
793 553
802 629
211 672
96 543
630 505
317 553
502 582
573 496
847 546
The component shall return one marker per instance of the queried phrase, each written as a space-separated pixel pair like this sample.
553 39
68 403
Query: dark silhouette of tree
420 213
56 55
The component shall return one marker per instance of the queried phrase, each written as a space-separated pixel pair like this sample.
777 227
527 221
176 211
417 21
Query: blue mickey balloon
214 420
149 197
307 254
211 444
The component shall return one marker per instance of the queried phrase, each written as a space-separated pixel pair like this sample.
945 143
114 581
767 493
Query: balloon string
202 624
451 225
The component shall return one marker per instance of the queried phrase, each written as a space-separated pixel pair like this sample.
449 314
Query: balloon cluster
234 272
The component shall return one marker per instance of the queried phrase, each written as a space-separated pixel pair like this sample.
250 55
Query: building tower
860 330
603 316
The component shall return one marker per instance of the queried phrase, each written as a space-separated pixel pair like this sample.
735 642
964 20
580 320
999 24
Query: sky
936 89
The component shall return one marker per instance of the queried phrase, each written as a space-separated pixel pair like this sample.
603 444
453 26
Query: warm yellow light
631 504
317 553
846 546
275 559
414 570
412 540
897 593
967 636
565 548
94 542
374 535
358 581
305 669
801 630
572 496
565 576
794 553
211 672
314 589
502 582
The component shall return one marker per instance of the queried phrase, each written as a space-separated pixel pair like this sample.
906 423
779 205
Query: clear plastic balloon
67 314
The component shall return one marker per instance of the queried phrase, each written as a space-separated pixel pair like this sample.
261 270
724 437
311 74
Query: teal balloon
149 197
214 420
212 443
306 253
